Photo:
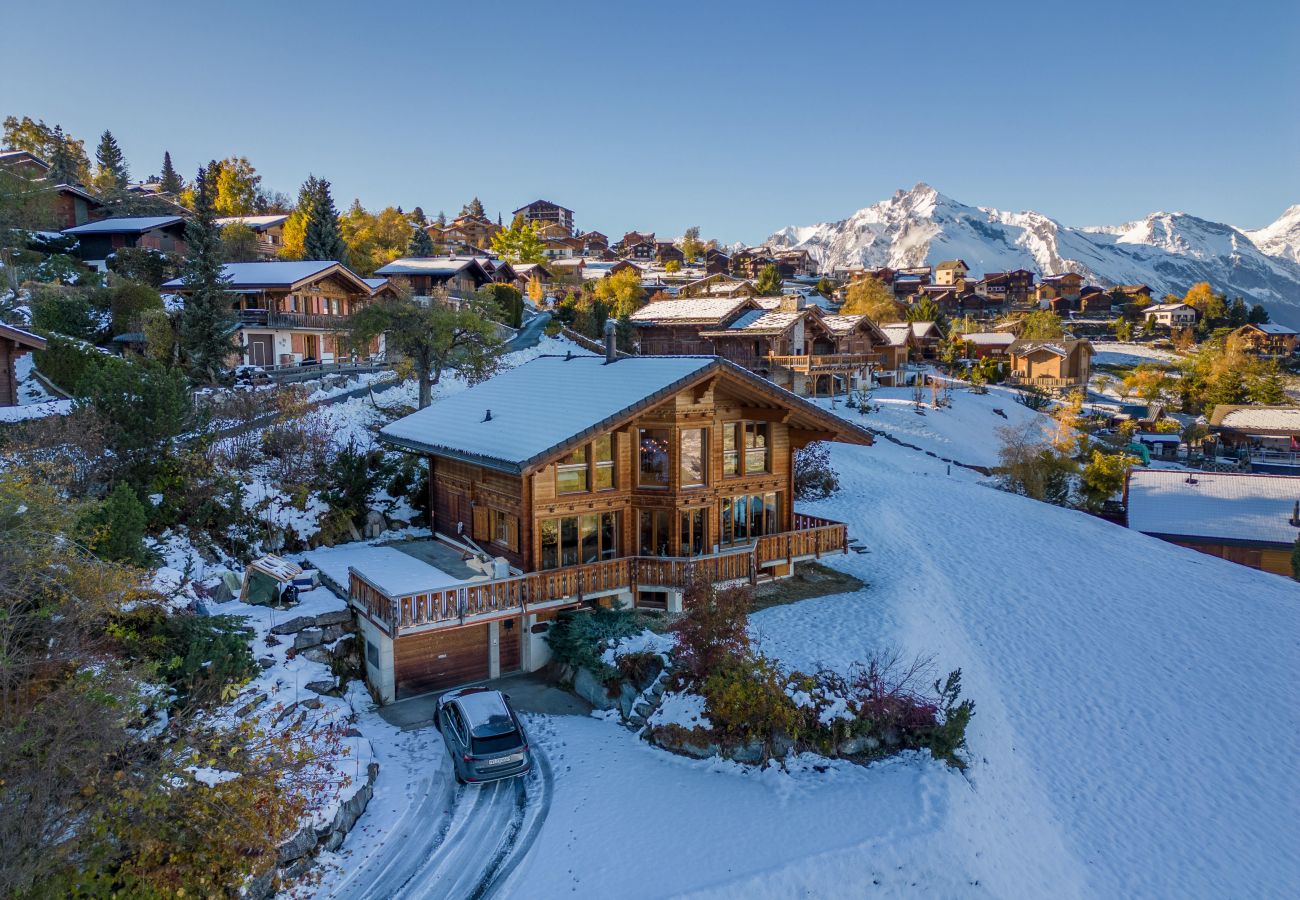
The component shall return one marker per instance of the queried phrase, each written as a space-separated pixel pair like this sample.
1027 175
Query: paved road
530 333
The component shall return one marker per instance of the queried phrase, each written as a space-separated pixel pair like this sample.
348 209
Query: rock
857 744
591 689
375 525
781 746
251 705
308 637
297 846
636 720
318 654
334 617
352 732
643 708
311 703
331 633
345 646
320 687
294 625
699 751
295 869
626 697
751 753
266 662
287 712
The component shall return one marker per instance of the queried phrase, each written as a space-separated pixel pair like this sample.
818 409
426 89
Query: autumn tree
691 245
239 243
520 243
621 293
66 155
872 297
374 239
237 184
1042 325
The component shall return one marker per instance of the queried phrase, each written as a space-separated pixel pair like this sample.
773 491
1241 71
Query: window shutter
481 524
299 343
512 532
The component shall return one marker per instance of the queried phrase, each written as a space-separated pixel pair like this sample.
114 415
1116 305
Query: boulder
331 633
751 753
266 662
643 708
297 846
699 751
324 686
334 617
294 625
375 525
308 637
782 745
311 703
318 654
627 696
587 686
344 646
857 744
251 705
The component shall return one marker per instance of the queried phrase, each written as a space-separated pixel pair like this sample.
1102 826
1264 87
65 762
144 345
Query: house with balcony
951 271
1066 286
1268 340
544 212
294 313
437 277
1058 364
97 240
1171 315
674 327
1266 436
672 468
269 231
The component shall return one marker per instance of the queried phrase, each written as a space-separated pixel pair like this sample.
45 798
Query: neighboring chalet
594 243
667 251
1014 288
14 342
1171 315
980 344
1067 286
951 272
465 232
98 240
927 337
716 261
898 350
669 468
642 251
544 212
269 231
444 277
72 205
1267 436
1243 518
1058 364
1267 339
675 327
293 313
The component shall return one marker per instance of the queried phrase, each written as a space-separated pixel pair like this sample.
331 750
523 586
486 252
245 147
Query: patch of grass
809 580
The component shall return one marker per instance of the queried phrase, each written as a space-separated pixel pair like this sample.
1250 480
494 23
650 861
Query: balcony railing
503 597
829 362
270 318
1044 381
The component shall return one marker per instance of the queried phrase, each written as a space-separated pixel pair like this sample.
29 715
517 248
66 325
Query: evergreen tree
441 219
171 181
472 208
1268 389
63 164
206 334
769 281
112 172
1238 315
418 216
323 239
1258 315
421 244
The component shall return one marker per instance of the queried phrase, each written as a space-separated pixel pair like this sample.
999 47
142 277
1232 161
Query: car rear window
498 743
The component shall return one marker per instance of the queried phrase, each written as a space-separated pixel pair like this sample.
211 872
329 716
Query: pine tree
63 165
769 281
472 208
323 239
441 219
112 172
1258 315
418 216
171 181
206 334
420 244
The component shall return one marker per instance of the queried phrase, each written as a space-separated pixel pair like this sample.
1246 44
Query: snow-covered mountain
1168 251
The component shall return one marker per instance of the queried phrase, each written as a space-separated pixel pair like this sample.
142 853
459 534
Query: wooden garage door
509 645
440 659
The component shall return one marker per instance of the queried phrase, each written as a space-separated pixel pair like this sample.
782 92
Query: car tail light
466 757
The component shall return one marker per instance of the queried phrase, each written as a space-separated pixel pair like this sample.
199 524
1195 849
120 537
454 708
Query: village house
14 342
1267 436
670 468
1066 286
981 344
718 284
269 231
951 271
293 313
749 262
674 327
1243 518
1014 288
442 277
544 212
926 338
894 355
97 240
1132 293
1059 364
1171 315
1094 300
1267 339
716 261
794 263
641 251
667 251
465 232
71 205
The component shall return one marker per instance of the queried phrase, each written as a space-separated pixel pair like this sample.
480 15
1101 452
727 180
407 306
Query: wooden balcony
831 362
1045 382
479 601
270 318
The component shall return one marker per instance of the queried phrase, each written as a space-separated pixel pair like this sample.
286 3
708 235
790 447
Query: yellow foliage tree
621 293
873 298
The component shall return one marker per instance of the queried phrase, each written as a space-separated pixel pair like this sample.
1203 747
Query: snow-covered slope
1168 251
1282 238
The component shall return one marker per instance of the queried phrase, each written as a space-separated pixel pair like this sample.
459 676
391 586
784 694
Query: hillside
1168 251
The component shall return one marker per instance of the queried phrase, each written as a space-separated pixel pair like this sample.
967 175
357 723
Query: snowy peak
1169 251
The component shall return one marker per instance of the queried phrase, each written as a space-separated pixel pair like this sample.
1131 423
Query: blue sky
740 118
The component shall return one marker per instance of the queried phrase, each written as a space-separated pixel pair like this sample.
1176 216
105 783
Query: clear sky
738 117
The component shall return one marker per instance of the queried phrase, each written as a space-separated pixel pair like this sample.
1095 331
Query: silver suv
485 738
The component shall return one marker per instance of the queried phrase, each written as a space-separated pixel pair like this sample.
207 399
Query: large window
745 448
749 516
602 451
571 473
692 536
653 531
694 452
571 540
652 456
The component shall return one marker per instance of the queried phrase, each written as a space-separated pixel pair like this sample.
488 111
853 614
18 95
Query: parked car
484 737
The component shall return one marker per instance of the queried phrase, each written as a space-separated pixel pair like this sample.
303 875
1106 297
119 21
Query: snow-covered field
1127 738
1115 353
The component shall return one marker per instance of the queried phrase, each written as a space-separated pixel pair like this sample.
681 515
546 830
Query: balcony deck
481 601
831 362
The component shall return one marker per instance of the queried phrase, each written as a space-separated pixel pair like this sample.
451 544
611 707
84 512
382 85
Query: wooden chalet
1014 288
895 353
294 313
1068 285
716 261
1267 339
670 468
643 251
1059 364
97 240
675 327
269 231
667 251
14 342
981 344
1266 436
437 277
544 212
466 231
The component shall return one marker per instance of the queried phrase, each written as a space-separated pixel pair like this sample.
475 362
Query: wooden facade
1061 364
14 342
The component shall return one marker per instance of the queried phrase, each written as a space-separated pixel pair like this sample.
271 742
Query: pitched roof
689 310
257 223
1284 419
22 336
841 324
541 203
1165 307
430 265
277 273
1058 346
897 334
761 321
530 422
952 264
124 225
1213 505
989 338
1270 328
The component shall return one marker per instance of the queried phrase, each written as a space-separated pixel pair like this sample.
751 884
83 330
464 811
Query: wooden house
1267 436
14 342
269 231
641 251
1067 285
980 344
1059 364
594 243
951 271
293 313
716 261
1248 519
97 240
466 231
670 468
892 357
667 251
443 277
749 262
1014 288
674 327
1267 339
544 212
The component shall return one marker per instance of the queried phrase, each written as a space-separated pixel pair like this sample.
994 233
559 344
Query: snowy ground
34 401
1116 353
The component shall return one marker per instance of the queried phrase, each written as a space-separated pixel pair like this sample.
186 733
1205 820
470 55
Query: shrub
144 406
944 738
640 668
200 657
713 630
814 479
746 701
579 638
63 310
67 362
1033 398
150 267
350 479
116 527
130 300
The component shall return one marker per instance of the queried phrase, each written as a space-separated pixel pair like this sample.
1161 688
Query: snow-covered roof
897 335
1262 418
1057 346
542 406
22 336
762 321
278 273
990 338
257 223
688 309
1215 506
1272 328
392 571
925 329
124 225
430 265
1166 307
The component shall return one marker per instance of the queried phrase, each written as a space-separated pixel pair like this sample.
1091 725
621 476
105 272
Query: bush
579 638
714 630
200 657
68 362
350 479
746 702
1033 398
130 300
116 528
814 479
63 310
144 405
149 267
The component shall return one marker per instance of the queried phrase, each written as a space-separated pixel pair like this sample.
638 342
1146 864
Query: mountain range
1167 251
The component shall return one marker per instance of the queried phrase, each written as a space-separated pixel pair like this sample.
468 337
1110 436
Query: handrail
812 537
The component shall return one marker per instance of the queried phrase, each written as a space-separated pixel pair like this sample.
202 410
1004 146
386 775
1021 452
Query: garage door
441 659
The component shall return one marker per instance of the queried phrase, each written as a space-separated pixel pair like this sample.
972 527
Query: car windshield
497 743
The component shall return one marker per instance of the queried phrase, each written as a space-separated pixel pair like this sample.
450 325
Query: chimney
487 417
611 341
792 302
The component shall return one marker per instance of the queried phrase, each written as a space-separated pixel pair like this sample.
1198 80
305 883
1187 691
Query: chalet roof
1062 275
22 337
952 264
1165 307
760 321
1283 419
1252 509
530 423
375 283
1057 346
897 335
9 157
525 270
842 325
925 330
689 310
989 338
79 192
1269 328
124 225
541 203
431 265
257 223
277 274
